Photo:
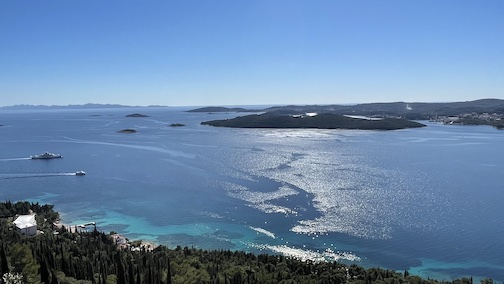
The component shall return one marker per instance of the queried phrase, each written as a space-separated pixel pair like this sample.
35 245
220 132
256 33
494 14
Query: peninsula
320 121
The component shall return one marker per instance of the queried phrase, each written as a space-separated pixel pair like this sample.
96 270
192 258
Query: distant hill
397 115
415 111
223 109
321 121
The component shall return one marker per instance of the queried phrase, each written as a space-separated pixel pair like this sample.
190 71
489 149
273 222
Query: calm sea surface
429 200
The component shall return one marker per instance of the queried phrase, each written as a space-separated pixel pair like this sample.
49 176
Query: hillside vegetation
57 256
414 111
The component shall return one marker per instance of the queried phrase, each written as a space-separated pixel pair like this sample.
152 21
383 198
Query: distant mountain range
415 111
84 106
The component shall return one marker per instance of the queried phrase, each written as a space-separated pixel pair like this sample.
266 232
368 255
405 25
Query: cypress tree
54 279
138 280
90 271
131 274
45 274
149 275
103 274
120 269
4 266
63 261
168 274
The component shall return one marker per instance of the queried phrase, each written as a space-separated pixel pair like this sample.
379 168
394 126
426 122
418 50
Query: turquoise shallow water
428 200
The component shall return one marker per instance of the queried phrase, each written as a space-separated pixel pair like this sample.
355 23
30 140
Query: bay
428 200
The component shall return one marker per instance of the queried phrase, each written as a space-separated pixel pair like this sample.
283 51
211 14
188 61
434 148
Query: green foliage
9 209
63 279
93 258
23 262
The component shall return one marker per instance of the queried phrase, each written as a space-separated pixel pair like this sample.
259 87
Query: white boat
46 155
80 173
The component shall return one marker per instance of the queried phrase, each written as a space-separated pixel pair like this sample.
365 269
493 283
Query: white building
26 224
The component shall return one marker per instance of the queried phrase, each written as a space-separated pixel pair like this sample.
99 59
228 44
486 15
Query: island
137 115
311 120
176 125
128 130
478 112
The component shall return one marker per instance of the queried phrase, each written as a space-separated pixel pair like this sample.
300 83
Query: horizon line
222 105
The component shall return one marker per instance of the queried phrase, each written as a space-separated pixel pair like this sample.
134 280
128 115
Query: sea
428 200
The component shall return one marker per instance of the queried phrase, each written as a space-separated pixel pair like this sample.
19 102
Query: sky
259 52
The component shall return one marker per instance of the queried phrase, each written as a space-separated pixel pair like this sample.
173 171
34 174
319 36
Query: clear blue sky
233 52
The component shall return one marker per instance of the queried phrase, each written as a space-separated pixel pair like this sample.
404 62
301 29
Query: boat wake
14 159
139 147
34 175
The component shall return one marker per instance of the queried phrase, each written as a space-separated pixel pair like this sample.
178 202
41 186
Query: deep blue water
430 200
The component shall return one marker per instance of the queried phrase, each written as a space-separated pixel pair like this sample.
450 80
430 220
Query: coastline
120 240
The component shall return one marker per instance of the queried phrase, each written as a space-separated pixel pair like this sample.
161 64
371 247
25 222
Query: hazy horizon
222 105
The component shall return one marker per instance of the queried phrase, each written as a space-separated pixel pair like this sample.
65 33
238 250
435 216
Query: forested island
478 112
54 255
320 121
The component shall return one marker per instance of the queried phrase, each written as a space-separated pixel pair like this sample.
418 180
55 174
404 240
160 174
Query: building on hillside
26 224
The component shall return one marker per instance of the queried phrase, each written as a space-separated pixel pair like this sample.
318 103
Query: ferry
46 155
